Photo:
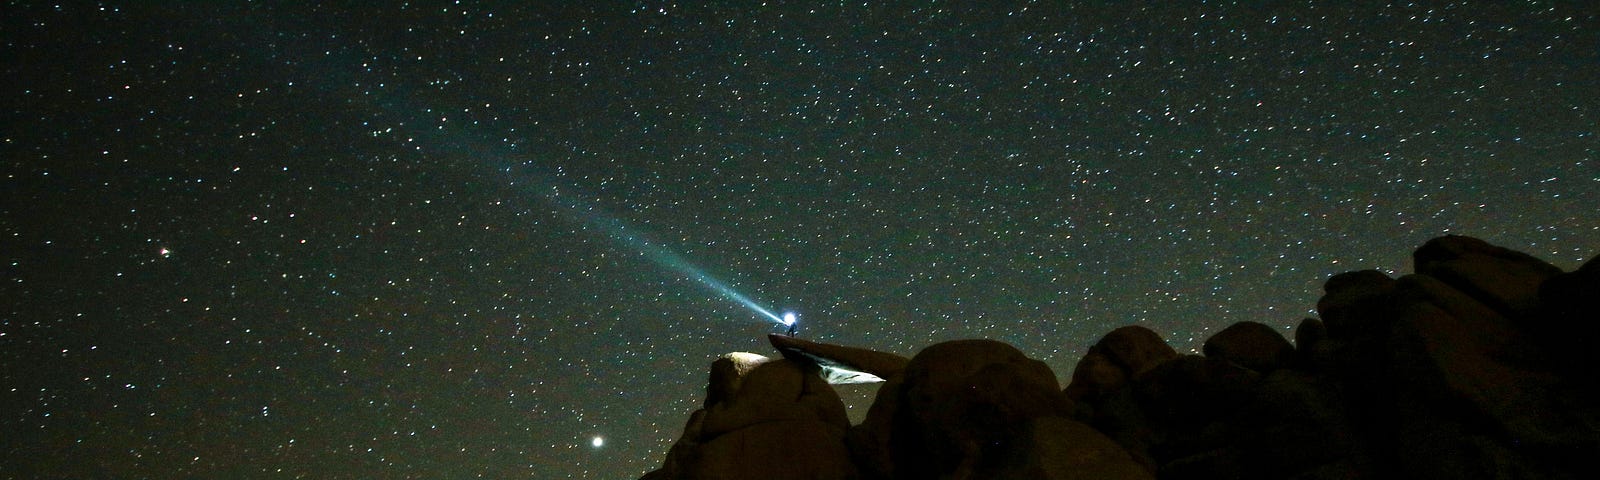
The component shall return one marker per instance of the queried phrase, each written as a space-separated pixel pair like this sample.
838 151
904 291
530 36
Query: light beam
655 252
459 138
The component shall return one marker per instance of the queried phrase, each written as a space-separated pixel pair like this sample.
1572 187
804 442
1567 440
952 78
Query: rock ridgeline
1477 366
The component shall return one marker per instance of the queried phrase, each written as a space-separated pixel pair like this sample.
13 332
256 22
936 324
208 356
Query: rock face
980 409
1476 366
1251 345
1124 353
768 409
1506 280
840 364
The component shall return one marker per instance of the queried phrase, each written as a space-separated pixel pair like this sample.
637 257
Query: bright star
788 318
598 441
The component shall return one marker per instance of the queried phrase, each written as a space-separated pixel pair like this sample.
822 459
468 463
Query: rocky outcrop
1569 320
980 409
1252 345
841 364
1475 366
1436 374
756 407
1503 279
1122 354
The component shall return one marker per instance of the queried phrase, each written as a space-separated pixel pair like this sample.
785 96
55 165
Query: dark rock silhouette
1503 279
840 364
976 409
1476 366
1251 345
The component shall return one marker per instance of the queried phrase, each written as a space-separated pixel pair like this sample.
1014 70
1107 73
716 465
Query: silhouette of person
793 327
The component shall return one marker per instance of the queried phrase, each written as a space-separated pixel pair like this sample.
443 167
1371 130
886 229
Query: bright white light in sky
598 441
788 318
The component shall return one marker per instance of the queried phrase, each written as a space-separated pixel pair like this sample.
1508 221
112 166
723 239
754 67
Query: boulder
1135 348
761 408
1101 387
1294 422
1252 345
1469 386
1309 333
779 450
841 364
1574 297
819 397
779 390
682 451
1243 426
1313 351
1287 424
1193 388
1120 417
1094 377
1353 302
1570 320
727 374
1504 279
1056 448
965 404
1187 399
871 442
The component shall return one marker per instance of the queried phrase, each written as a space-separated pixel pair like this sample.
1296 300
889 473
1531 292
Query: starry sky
464 240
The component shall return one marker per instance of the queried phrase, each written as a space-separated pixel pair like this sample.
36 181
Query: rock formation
768 409
840 364
1476 366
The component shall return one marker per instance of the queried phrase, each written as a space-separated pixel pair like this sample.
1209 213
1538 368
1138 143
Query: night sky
455 240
